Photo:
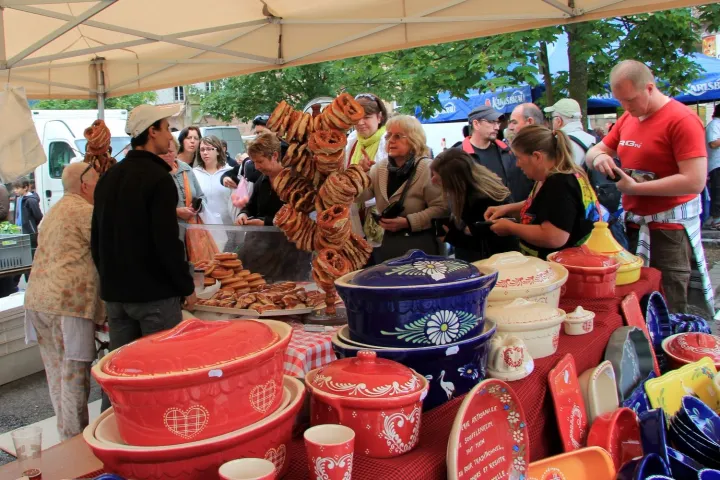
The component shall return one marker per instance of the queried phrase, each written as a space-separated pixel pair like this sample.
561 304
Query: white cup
248 469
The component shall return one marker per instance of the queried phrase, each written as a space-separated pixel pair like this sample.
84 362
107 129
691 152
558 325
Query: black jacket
514 178
249 172
31 216
483 242
135 238
264 202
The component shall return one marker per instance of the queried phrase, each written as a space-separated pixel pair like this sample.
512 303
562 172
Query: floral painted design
516 426
469 371
438 328
437 270
513 417
518 436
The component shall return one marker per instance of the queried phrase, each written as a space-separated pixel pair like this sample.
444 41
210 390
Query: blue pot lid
416 268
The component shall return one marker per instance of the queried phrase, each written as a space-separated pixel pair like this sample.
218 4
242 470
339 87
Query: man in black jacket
484 146
135 239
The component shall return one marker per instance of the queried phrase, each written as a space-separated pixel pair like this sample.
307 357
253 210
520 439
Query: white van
61 134
230 134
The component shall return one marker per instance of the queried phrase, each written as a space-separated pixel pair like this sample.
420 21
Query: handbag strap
188 196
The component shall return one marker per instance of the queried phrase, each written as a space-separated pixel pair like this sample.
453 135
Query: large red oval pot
592 275
198 380
379 399
269 439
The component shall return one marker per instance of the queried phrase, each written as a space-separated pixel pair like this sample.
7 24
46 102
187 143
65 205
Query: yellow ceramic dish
602 241
695 379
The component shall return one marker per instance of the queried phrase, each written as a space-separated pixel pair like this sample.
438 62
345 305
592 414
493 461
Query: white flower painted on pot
519 464
443 327
505 398
436 270
513 417
518 436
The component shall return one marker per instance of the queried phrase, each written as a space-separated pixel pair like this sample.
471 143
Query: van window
60 154
231 135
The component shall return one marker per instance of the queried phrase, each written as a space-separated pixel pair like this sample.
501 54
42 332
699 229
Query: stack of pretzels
314 178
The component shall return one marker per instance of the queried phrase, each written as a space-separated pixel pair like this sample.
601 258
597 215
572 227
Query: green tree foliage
126 102
414 77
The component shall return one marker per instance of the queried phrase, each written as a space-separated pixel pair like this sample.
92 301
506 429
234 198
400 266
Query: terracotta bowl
199 460
231 390
617 432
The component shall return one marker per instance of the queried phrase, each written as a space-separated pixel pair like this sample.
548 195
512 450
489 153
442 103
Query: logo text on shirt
630 143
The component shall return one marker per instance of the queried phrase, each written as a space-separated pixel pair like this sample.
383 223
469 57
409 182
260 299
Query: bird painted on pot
449 387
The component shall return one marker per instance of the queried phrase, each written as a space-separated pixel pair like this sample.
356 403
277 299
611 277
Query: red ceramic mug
248 469
330 451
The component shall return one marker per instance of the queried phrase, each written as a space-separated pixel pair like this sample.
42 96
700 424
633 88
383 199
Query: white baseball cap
143 116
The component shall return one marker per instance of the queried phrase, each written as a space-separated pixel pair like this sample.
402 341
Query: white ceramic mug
248 469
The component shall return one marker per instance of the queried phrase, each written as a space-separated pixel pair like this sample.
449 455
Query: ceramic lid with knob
521 311
580 315
583 257
416 268
191 345
518 271
693 346
366 376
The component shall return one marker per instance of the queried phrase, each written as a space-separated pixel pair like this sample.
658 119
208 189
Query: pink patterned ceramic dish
200 460
569 404
489 438
525 277
379 399
689 347
198 380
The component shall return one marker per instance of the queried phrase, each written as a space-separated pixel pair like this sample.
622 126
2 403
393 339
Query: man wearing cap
135 238
567 116
484 146
259 123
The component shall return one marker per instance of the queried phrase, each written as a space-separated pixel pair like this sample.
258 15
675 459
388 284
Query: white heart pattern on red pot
398 427
262 396
186 423
277 456
330 463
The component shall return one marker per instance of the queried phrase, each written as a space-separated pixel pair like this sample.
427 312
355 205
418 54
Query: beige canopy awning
57 49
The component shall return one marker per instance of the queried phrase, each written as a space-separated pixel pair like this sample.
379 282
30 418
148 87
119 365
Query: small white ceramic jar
579 322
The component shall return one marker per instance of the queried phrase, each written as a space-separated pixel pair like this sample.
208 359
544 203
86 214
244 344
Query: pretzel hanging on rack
98 149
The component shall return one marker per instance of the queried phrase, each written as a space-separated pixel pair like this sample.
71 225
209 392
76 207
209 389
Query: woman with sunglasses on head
186 183
562 206
189 139
367 142
405 197
211 167
470 189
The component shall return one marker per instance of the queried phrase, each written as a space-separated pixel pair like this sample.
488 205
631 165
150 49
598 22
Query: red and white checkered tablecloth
307 350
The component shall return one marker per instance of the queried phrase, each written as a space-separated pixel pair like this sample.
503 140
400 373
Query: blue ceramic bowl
642 468
416 301
683 466
638 401
109 476
708 474
706 421
452 370
685 322
695 450
689 430
652 433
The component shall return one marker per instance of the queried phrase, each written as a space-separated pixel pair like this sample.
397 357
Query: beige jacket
424 201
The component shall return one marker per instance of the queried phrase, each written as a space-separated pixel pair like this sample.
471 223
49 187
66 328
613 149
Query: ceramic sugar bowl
509 359
579 321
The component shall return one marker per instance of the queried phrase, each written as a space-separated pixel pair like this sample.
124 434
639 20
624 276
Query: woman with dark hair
470 189
210 168
562 206
189 139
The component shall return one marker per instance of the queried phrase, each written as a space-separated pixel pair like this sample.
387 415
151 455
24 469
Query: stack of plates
695 431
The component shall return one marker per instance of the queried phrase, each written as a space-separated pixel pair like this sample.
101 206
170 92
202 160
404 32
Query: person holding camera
469 189
404 194
185 181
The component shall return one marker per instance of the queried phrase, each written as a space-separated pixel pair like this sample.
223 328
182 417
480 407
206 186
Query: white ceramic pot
524 277
509 359
537 324
579 321
599 390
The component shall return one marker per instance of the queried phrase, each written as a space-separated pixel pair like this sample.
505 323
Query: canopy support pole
3 55
100 79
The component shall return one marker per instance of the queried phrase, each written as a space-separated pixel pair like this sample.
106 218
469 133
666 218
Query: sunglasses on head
85 171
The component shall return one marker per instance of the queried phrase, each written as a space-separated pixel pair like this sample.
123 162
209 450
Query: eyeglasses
208 149
394 136
84 172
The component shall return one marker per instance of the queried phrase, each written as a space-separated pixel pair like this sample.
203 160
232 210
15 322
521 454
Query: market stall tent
96 48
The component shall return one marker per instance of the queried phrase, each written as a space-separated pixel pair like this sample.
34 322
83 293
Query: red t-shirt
671 135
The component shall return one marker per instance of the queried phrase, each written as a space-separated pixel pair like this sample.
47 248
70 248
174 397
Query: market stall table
427 461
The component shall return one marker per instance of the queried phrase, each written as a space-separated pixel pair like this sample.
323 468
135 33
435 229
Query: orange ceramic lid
192 345
693 346
366 376
583 257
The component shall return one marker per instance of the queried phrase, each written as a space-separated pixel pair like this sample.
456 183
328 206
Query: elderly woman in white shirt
210 168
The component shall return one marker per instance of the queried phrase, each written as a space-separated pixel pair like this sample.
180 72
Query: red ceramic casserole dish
198 380
689 347
592 275
379 399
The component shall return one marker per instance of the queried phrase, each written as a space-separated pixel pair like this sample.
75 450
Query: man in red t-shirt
659 135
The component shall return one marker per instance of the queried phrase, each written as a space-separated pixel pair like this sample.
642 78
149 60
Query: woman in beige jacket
406 221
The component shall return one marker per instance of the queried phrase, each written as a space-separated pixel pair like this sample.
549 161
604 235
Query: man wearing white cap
135 238
567 116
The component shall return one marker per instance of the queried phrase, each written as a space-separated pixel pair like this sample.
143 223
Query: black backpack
606 190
